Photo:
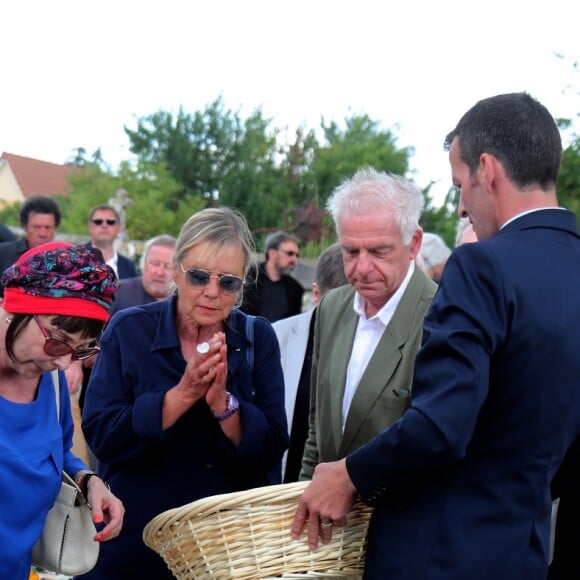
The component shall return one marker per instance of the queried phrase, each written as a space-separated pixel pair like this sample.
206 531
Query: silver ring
203 347
327 524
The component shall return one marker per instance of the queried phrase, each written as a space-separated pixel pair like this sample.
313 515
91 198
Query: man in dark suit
461 483
39 218
104 228
275 294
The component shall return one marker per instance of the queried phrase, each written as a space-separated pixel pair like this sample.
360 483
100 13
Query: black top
299 431
273 300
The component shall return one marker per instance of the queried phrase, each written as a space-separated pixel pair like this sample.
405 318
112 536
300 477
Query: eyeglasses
290 253
99 222
57 347
199 278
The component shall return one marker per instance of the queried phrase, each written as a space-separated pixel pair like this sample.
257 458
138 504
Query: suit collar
554 218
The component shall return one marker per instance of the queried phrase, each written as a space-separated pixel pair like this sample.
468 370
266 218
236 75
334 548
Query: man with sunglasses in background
275 294
104 228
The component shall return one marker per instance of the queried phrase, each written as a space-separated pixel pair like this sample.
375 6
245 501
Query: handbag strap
250 337
56 384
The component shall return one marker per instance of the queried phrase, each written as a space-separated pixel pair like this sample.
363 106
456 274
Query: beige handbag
66 545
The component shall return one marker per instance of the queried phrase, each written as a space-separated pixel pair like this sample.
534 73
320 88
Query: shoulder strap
56 384
250 337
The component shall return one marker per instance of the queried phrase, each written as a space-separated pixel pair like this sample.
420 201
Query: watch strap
232 405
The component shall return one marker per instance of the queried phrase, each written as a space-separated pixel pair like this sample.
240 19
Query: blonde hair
221 227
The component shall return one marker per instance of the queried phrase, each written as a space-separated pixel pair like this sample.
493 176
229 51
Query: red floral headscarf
60 278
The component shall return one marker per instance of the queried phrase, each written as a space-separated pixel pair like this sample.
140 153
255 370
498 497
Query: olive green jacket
383 393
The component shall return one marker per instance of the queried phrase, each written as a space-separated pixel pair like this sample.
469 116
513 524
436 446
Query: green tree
568 186
569 178
156 207
252 179
362 143
78 158
441 219
217 157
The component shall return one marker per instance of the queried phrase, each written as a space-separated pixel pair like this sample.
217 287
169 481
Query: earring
8 319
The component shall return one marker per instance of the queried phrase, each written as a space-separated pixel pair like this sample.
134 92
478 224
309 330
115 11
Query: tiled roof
37 177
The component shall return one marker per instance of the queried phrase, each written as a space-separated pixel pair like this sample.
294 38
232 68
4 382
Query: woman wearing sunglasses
56 302
175 410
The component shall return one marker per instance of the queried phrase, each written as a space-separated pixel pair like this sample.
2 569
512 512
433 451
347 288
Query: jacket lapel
344 338
384 362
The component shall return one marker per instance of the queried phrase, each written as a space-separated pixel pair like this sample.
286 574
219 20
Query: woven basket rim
246 535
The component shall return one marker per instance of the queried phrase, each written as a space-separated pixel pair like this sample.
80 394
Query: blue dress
33 449
152 470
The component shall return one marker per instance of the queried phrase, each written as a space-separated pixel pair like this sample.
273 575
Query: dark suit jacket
6 234
375 404
9 253
126 268
461 481
566 486
130 293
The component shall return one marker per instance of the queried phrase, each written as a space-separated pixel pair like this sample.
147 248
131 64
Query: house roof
36 177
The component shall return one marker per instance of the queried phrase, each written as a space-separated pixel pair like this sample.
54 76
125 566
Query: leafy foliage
362 143
214 157
222 159
442 220
569 178
155 204
217 157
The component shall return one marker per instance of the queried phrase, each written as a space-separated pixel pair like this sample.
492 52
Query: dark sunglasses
291 253
99 222
57 347
200 278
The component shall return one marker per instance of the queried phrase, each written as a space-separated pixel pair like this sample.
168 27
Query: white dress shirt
113 262
367 336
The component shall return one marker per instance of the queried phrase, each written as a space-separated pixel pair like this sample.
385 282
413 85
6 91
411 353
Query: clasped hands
325 503
206 373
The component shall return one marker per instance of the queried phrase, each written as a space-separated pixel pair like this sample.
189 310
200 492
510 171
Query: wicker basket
246 535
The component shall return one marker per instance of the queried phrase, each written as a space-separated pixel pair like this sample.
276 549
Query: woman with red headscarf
56 302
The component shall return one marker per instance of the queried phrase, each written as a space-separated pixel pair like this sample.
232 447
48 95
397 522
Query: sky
75 73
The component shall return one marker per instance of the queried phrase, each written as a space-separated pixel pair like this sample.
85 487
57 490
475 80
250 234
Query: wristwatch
232 405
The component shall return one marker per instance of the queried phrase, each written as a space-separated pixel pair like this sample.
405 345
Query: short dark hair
330 269
516 129
104 206
274 240
40 204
